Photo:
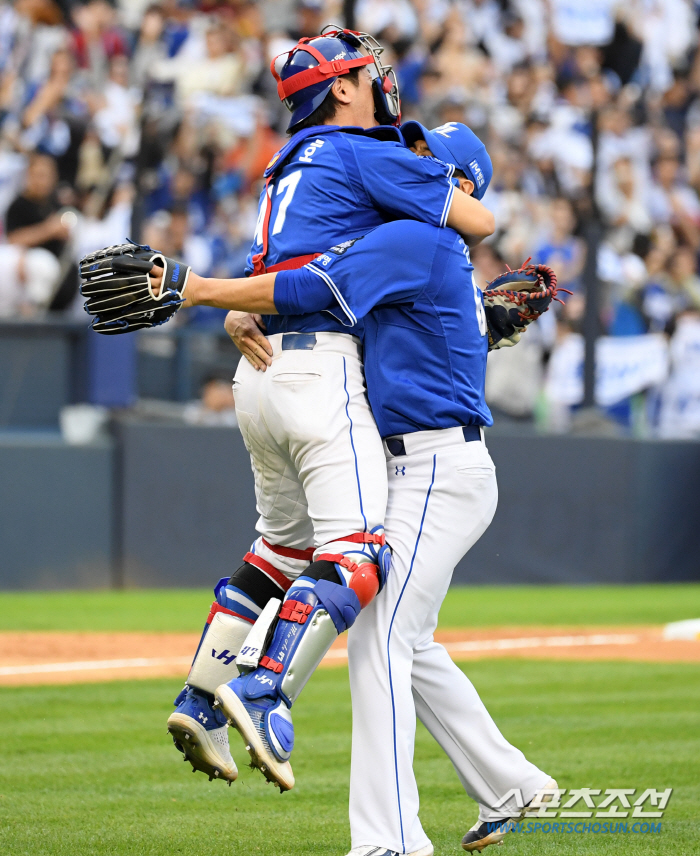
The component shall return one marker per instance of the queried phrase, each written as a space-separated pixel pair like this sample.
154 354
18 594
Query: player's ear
466 186
344 90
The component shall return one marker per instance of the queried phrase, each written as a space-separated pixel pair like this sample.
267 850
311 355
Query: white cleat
207 751
369 850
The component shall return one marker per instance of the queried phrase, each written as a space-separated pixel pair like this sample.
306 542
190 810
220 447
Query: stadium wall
173 505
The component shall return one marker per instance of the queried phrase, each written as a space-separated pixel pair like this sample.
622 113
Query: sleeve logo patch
310 151
340 249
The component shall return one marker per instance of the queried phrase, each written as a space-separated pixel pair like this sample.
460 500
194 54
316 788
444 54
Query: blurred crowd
156 121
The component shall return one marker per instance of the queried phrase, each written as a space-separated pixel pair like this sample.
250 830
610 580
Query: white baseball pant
442 498
315 450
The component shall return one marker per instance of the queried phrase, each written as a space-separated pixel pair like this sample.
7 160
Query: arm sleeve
405 185
299 292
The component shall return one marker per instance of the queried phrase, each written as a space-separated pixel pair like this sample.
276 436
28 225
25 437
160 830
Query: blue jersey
425 342
328 185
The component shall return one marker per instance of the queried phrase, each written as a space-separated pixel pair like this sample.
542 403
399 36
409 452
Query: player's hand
246 332
156 277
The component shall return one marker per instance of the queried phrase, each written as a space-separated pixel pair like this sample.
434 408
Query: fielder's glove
116 284
515 299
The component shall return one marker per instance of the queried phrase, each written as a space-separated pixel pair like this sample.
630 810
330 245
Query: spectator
624 202
216 407
673 201
115 110
96 39
55 116
172 104
29 280
32 220
220 72
562 250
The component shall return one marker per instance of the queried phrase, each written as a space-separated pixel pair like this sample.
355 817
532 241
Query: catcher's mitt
515 299
116 284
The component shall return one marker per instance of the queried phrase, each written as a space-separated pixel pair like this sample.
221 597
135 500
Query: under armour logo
400 471
204 718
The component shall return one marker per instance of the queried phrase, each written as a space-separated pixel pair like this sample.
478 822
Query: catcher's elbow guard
215 661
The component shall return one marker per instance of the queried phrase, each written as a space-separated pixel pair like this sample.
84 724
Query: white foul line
334 654
514 644
94 665
541 642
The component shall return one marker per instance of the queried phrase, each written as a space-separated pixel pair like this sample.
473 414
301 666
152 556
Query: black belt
397 447
298 341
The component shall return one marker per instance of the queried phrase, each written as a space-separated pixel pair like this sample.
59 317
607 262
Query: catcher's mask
306 74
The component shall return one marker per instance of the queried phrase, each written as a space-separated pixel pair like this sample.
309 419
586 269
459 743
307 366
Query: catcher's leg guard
200 731
320 605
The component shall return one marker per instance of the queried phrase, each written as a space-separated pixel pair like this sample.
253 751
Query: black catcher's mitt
116 285
515 299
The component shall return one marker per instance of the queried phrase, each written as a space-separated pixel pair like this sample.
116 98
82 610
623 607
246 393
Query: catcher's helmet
306 74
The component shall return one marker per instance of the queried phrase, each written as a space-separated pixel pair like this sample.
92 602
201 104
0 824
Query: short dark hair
327 109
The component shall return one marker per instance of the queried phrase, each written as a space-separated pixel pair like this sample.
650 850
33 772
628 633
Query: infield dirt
65 657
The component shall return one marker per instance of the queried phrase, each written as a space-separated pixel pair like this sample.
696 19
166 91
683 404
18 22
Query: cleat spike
247 748
216 774
194 770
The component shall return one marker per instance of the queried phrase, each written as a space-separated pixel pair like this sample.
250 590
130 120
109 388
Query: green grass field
181 610
90 770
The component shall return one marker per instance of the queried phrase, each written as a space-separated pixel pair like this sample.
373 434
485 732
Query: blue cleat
200 732
258 704
264 723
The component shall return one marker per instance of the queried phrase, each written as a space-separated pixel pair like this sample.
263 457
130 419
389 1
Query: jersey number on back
478 302
288 186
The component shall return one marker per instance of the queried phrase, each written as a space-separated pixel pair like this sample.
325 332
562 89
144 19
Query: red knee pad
364 580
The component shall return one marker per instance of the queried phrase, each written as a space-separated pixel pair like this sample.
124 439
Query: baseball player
317 457
425 357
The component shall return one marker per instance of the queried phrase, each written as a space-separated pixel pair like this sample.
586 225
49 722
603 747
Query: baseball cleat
494 831
201 734
489 832
260 722
366 850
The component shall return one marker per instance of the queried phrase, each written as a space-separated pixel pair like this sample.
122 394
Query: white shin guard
215 662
